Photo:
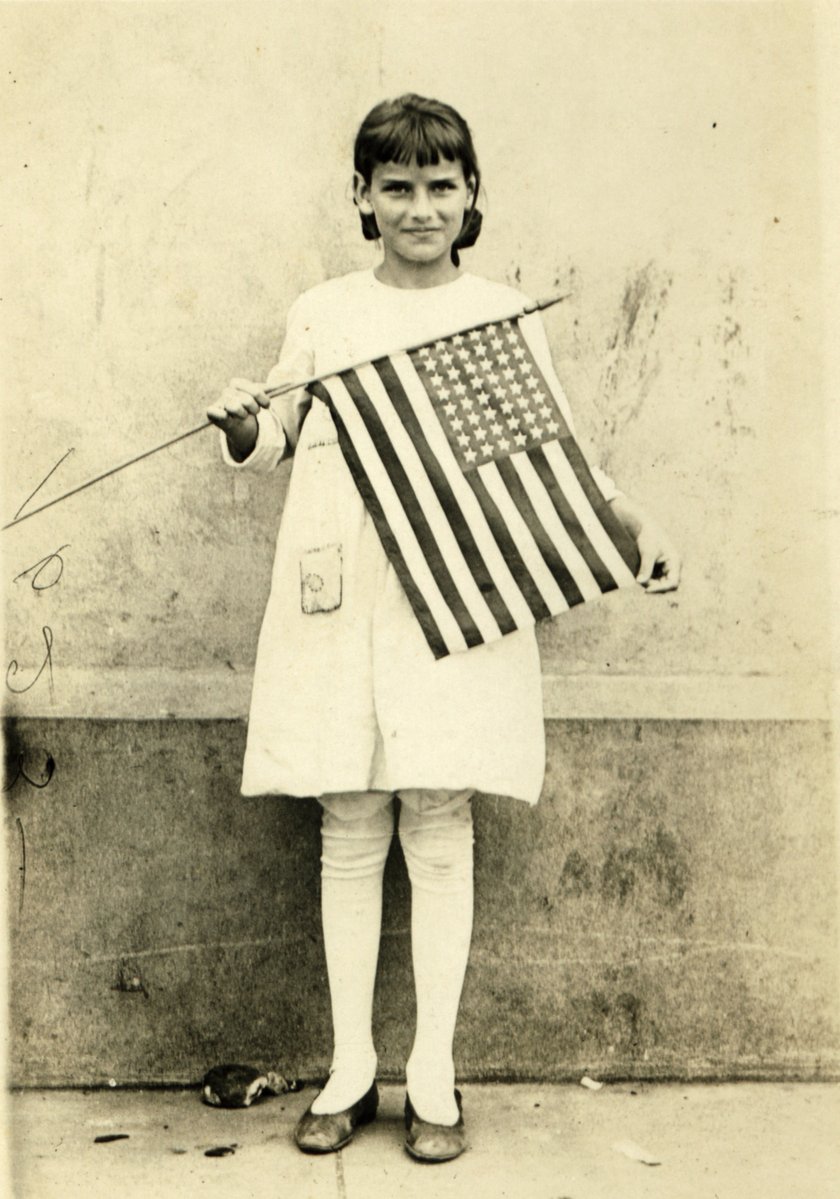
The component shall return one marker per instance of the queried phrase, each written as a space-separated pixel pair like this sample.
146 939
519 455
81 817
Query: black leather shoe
434 1142
326 1134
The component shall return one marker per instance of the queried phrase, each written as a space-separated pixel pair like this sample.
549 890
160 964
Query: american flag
478 490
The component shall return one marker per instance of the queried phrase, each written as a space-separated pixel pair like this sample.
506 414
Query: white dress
347 695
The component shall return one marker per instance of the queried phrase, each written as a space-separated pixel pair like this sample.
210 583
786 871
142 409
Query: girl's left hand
660 562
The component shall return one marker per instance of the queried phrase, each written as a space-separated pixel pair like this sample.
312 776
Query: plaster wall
173 176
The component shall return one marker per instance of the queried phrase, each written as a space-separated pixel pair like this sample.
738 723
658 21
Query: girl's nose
422 207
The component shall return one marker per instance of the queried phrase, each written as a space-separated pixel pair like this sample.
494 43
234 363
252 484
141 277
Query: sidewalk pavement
727 1141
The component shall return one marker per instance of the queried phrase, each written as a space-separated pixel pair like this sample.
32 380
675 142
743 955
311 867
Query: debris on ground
233 1085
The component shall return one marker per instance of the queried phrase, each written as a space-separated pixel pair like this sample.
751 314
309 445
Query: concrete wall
174 175
665 911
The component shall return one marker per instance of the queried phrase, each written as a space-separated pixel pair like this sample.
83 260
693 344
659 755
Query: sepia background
174 175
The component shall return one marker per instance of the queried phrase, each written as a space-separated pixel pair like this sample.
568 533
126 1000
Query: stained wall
173 176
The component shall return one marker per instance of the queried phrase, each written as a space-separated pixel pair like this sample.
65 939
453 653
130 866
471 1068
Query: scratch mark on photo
43 481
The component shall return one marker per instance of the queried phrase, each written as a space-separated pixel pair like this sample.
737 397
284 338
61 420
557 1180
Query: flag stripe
440 527
615 530
555 530
393 522
538 609
553 561
478 520
550 593
482 515
618 543
472 555
571 521
390 543
597 530
413 510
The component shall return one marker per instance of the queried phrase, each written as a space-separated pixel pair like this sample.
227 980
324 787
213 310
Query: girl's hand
660 566
235 413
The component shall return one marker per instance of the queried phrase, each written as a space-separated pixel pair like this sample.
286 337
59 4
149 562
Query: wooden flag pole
537 306
272 393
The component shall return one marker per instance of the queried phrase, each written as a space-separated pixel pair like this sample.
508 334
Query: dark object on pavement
239 1086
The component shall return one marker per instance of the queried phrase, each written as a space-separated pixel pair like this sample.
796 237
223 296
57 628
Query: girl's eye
443 186
396 187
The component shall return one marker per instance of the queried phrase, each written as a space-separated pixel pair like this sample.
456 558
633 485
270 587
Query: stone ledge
122 694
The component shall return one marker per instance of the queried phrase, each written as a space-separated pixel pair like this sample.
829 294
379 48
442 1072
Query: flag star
533 382
503 359
453 373
470 367
450 409
458 339
457 424
474 418
515 388
530 416
463 440
435 379
545 412
492 378
509 373
480 350
520 438
460 388
481 435
506 407
518 352
445 357
496 429
470 455
496 343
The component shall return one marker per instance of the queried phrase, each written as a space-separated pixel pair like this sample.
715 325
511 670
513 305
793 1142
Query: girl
349 704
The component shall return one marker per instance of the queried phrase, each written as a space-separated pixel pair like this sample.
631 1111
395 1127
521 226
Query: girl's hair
414 129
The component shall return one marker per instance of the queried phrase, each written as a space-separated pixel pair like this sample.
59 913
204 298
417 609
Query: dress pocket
320 579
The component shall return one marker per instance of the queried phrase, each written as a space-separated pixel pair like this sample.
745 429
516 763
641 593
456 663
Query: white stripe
473 515
561 466
572 558
441 530
595 531
395 515
529 550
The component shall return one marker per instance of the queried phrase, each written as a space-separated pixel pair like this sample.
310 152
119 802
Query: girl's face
420 212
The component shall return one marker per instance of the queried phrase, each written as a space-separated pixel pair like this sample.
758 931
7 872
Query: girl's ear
471 191
361 198
361 194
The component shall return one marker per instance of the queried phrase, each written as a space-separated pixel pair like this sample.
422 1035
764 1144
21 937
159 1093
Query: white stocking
436 833
356 832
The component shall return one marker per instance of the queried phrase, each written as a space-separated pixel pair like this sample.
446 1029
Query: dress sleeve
278 426
535 334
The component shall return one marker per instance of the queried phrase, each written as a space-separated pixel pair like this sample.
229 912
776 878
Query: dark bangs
414 129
